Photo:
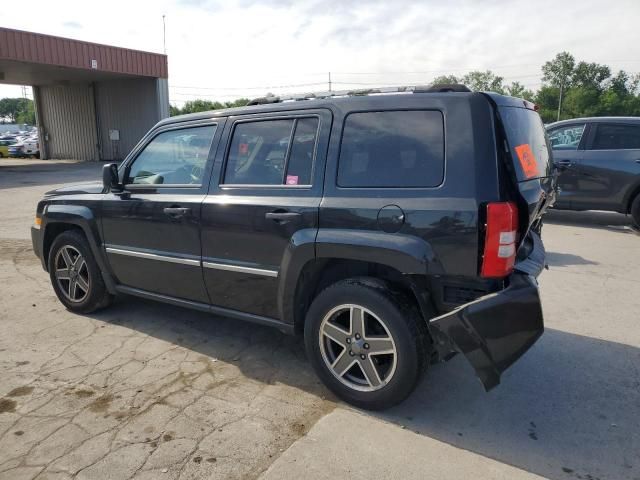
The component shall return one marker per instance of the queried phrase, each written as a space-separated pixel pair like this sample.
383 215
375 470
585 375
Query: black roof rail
454 87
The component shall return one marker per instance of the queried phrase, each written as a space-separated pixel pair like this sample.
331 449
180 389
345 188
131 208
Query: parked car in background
4 148
599 163
25 148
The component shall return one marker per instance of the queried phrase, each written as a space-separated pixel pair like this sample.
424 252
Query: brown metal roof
37 48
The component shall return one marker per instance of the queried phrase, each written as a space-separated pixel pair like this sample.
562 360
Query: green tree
199 105
590 75
581 102
445 80
28 114
485 81
11 108
240 102
559 73
516 89
547 100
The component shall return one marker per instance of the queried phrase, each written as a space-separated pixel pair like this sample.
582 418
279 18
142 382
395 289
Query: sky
225 49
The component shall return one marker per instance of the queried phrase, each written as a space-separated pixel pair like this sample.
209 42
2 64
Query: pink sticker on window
292 179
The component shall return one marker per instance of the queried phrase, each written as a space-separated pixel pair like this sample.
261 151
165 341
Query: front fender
84 218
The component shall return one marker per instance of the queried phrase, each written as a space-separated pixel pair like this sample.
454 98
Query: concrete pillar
162 94
42 131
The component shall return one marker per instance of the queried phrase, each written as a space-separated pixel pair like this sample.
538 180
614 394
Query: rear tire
75 275
635 211
366 343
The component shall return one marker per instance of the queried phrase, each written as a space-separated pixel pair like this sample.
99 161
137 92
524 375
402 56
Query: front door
152 229
264 196
568 143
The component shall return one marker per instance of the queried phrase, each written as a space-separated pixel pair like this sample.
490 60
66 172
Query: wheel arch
318 274
315 259
61 218
633 192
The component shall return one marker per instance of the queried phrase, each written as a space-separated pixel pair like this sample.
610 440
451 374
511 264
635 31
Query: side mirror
110 180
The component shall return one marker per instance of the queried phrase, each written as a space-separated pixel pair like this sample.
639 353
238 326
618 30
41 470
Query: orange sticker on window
527 160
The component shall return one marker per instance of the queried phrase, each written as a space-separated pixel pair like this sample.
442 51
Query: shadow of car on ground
612 221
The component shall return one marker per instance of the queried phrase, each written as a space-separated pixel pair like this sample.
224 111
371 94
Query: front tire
75 275
366 343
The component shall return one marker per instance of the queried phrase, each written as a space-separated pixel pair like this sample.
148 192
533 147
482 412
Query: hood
89 187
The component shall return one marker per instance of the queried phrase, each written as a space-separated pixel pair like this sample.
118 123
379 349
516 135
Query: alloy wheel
357 347
72 274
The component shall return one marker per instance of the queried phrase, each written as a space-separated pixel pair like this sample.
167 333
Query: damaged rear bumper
494 331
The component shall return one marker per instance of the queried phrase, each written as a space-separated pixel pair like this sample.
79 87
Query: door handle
637 160
176 212
564 163
282 217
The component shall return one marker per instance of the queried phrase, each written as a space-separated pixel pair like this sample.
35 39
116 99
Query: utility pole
164 35
329 81
560 101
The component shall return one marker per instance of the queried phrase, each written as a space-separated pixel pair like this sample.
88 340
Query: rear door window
616 137
392 149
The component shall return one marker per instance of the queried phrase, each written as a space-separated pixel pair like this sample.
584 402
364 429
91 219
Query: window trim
144 143
295 118
444 150
596 126
583 140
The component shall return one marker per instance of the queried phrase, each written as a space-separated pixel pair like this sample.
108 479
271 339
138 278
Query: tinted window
272 152
392 149
527 139
616 137
175 157
302 151
566 138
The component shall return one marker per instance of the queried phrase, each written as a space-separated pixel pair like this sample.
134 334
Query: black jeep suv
392 230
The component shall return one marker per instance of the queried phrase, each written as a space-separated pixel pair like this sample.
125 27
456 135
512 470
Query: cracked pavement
145 390
142 388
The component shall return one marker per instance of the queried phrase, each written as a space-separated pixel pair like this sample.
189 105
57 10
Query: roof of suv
336 100
595 119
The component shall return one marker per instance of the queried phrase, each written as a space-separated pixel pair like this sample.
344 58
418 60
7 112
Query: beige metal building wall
127 109
69 121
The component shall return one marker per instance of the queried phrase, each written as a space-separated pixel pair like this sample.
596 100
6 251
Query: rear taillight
500 240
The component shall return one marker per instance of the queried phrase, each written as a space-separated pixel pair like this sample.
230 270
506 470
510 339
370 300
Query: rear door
568 143
152 228
529 152
609 168
263 199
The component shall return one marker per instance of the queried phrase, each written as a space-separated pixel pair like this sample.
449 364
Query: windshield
528 142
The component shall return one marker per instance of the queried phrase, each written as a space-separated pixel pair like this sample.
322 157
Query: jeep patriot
389 230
